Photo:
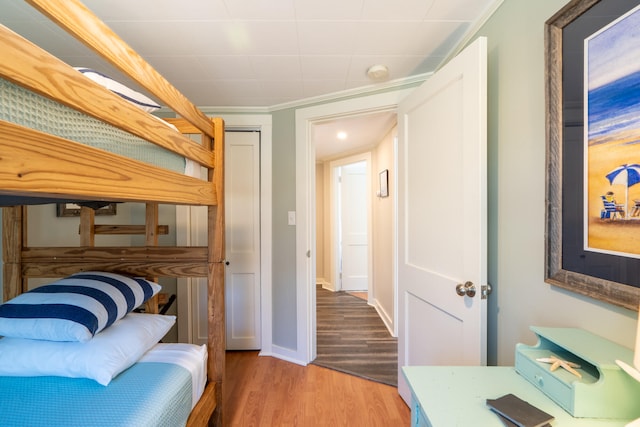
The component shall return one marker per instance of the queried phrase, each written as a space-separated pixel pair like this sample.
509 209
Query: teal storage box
604 389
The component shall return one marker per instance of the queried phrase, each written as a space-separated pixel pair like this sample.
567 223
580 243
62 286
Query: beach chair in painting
610 209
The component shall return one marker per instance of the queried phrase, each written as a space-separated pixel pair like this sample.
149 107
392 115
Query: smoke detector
378 72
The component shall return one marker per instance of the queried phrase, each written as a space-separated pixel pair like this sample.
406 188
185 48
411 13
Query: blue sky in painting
614 51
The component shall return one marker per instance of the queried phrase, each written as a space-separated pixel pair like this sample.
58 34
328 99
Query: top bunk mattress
26 108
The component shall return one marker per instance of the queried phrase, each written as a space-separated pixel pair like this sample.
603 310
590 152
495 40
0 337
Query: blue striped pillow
74 308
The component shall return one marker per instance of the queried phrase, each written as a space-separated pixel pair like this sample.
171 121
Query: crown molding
330 97
355 92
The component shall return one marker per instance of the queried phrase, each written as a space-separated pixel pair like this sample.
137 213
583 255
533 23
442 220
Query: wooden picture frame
610 278
72 209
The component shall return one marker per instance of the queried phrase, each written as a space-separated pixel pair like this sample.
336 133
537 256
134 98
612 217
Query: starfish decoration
559 363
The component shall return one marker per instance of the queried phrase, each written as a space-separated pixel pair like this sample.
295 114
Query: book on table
514 411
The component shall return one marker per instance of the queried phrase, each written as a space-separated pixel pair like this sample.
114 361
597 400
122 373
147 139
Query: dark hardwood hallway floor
352 338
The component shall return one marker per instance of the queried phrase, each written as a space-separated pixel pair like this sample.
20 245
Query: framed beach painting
593 150
612 137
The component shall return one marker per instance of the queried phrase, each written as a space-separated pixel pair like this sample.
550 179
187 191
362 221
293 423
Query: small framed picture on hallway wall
384 183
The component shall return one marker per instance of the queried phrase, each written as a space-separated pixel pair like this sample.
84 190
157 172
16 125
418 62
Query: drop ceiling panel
285 67
158 10
265 10
400 10
267 38
327 38
227 67
325 67
328 10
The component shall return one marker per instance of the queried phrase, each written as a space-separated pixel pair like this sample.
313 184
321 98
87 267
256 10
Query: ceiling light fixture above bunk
378 72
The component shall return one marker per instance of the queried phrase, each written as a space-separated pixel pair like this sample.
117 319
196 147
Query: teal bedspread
147 394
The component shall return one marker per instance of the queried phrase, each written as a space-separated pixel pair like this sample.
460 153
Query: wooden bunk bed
37 167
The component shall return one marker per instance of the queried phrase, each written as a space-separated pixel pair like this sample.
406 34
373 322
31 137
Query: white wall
322 227
516 163
384 232
45 229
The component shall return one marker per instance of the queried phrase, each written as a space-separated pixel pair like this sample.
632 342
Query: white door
354 239
442 221
242 228
242 219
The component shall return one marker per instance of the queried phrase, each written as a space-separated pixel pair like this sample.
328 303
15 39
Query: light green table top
456 396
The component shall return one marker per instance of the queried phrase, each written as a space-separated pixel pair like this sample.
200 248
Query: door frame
335 218
263 124
305 206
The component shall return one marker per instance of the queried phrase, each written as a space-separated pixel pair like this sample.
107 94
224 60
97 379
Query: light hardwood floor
265 391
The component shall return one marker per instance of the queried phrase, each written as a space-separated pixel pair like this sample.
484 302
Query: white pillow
74 308
101 359
136 98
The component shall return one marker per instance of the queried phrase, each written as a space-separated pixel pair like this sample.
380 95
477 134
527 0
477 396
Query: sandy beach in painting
619 235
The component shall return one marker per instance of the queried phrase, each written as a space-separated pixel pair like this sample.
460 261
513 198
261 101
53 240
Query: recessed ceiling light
378 72
342 135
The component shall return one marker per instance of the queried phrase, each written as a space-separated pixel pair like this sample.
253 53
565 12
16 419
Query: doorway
352 226
350 332
306 208
346 190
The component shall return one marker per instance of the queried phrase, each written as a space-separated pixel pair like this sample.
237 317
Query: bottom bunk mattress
159 390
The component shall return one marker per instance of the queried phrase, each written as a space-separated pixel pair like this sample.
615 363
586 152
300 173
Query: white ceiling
266 53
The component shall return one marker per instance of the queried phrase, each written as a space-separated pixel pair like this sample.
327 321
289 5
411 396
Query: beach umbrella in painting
626 175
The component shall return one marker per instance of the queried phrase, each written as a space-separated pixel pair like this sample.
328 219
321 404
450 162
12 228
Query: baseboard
285 354
386 319
325 284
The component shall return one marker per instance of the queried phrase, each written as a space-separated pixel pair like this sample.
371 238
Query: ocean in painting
614 108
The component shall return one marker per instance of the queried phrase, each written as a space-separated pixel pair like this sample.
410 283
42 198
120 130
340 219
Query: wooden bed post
87 226
151 239
14 238
215 307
